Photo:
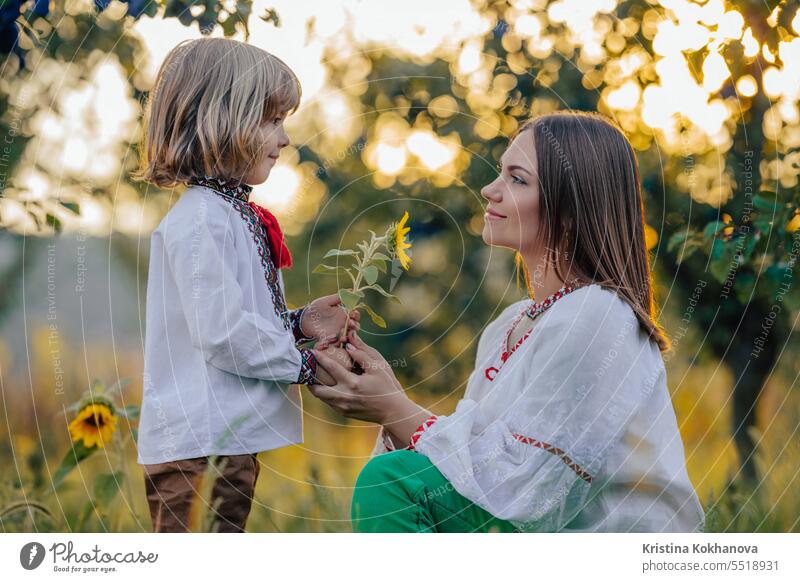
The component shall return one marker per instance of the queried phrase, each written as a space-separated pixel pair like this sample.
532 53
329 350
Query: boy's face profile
273 139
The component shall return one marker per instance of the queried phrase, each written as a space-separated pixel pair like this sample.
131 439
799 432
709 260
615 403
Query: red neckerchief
281 255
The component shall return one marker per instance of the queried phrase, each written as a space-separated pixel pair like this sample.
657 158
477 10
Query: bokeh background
407 106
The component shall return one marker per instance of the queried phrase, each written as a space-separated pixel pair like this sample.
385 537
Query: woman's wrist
403 418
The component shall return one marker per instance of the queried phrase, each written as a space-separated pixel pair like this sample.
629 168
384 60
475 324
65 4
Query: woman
566 423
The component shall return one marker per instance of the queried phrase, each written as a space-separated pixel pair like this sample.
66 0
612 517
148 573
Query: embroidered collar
228 187
536 308
533 310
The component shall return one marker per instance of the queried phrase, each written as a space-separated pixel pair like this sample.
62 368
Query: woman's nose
491 191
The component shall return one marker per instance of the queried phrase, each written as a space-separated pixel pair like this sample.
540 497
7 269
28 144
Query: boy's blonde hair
210 97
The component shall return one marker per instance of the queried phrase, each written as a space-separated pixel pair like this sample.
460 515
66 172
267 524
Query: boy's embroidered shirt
221 358
264 227
576 432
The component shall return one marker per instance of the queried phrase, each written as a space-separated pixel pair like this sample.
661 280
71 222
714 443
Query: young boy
222 361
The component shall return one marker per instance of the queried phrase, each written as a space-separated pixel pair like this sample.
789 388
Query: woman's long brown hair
591 208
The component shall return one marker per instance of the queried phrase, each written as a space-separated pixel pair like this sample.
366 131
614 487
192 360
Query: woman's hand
373 396
324 319
338 355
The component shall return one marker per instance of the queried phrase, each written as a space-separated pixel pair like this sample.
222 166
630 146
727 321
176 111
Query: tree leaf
765 201
724 261
377 319
370 274
676 239
712 228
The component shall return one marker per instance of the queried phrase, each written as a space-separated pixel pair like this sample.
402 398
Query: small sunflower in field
94 424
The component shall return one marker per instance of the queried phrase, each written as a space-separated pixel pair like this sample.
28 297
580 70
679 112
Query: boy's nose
283 139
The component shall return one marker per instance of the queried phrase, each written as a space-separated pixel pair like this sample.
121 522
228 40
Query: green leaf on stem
339 253
131 412
328 270
106 487
75 455
380 260
370 274
383 292
377 319
350 298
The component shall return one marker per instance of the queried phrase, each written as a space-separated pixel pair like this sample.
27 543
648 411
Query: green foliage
366 264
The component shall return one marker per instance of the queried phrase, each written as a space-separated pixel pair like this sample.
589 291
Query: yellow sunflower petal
94 425
401 244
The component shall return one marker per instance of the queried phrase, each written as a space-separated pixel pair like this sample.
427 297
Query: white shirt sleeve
203 261
567 401
382 443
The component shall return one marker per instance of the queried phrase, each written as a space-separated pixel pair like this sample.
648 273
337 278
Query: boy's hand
324 320
341 356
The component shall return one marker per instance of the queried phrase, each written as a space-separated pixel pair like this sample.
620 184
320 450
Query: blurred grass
307 487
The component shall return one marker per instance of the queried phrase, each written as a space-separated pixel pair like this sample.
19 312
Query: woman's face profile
512 212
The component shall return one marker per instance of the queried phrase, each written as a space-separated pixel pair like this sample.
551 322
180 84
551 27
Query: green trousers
402 491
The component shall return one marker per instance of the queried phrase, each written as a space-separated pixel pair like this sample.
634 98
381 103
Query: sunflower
401 243
94 425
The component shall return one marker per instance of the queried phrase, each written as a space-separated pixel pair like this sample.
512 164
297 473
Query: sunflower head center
95 420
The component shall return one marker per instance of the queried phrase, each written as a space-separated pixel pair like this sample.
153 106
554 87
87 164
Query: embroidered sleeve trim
296 317
427 423
308 368
582 473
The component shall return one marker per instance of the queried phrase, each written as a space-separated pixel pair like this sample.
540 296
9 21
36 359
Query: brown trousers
172 488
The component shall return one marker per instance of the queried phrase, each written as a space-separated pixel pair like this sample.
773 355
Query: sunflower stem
361 262
124 466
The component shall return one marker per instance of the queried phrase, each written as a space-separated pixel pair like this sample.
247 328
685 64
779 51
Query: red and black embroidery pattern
533 310
556 451
237 195
420 429
308 368
296 318
582 473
